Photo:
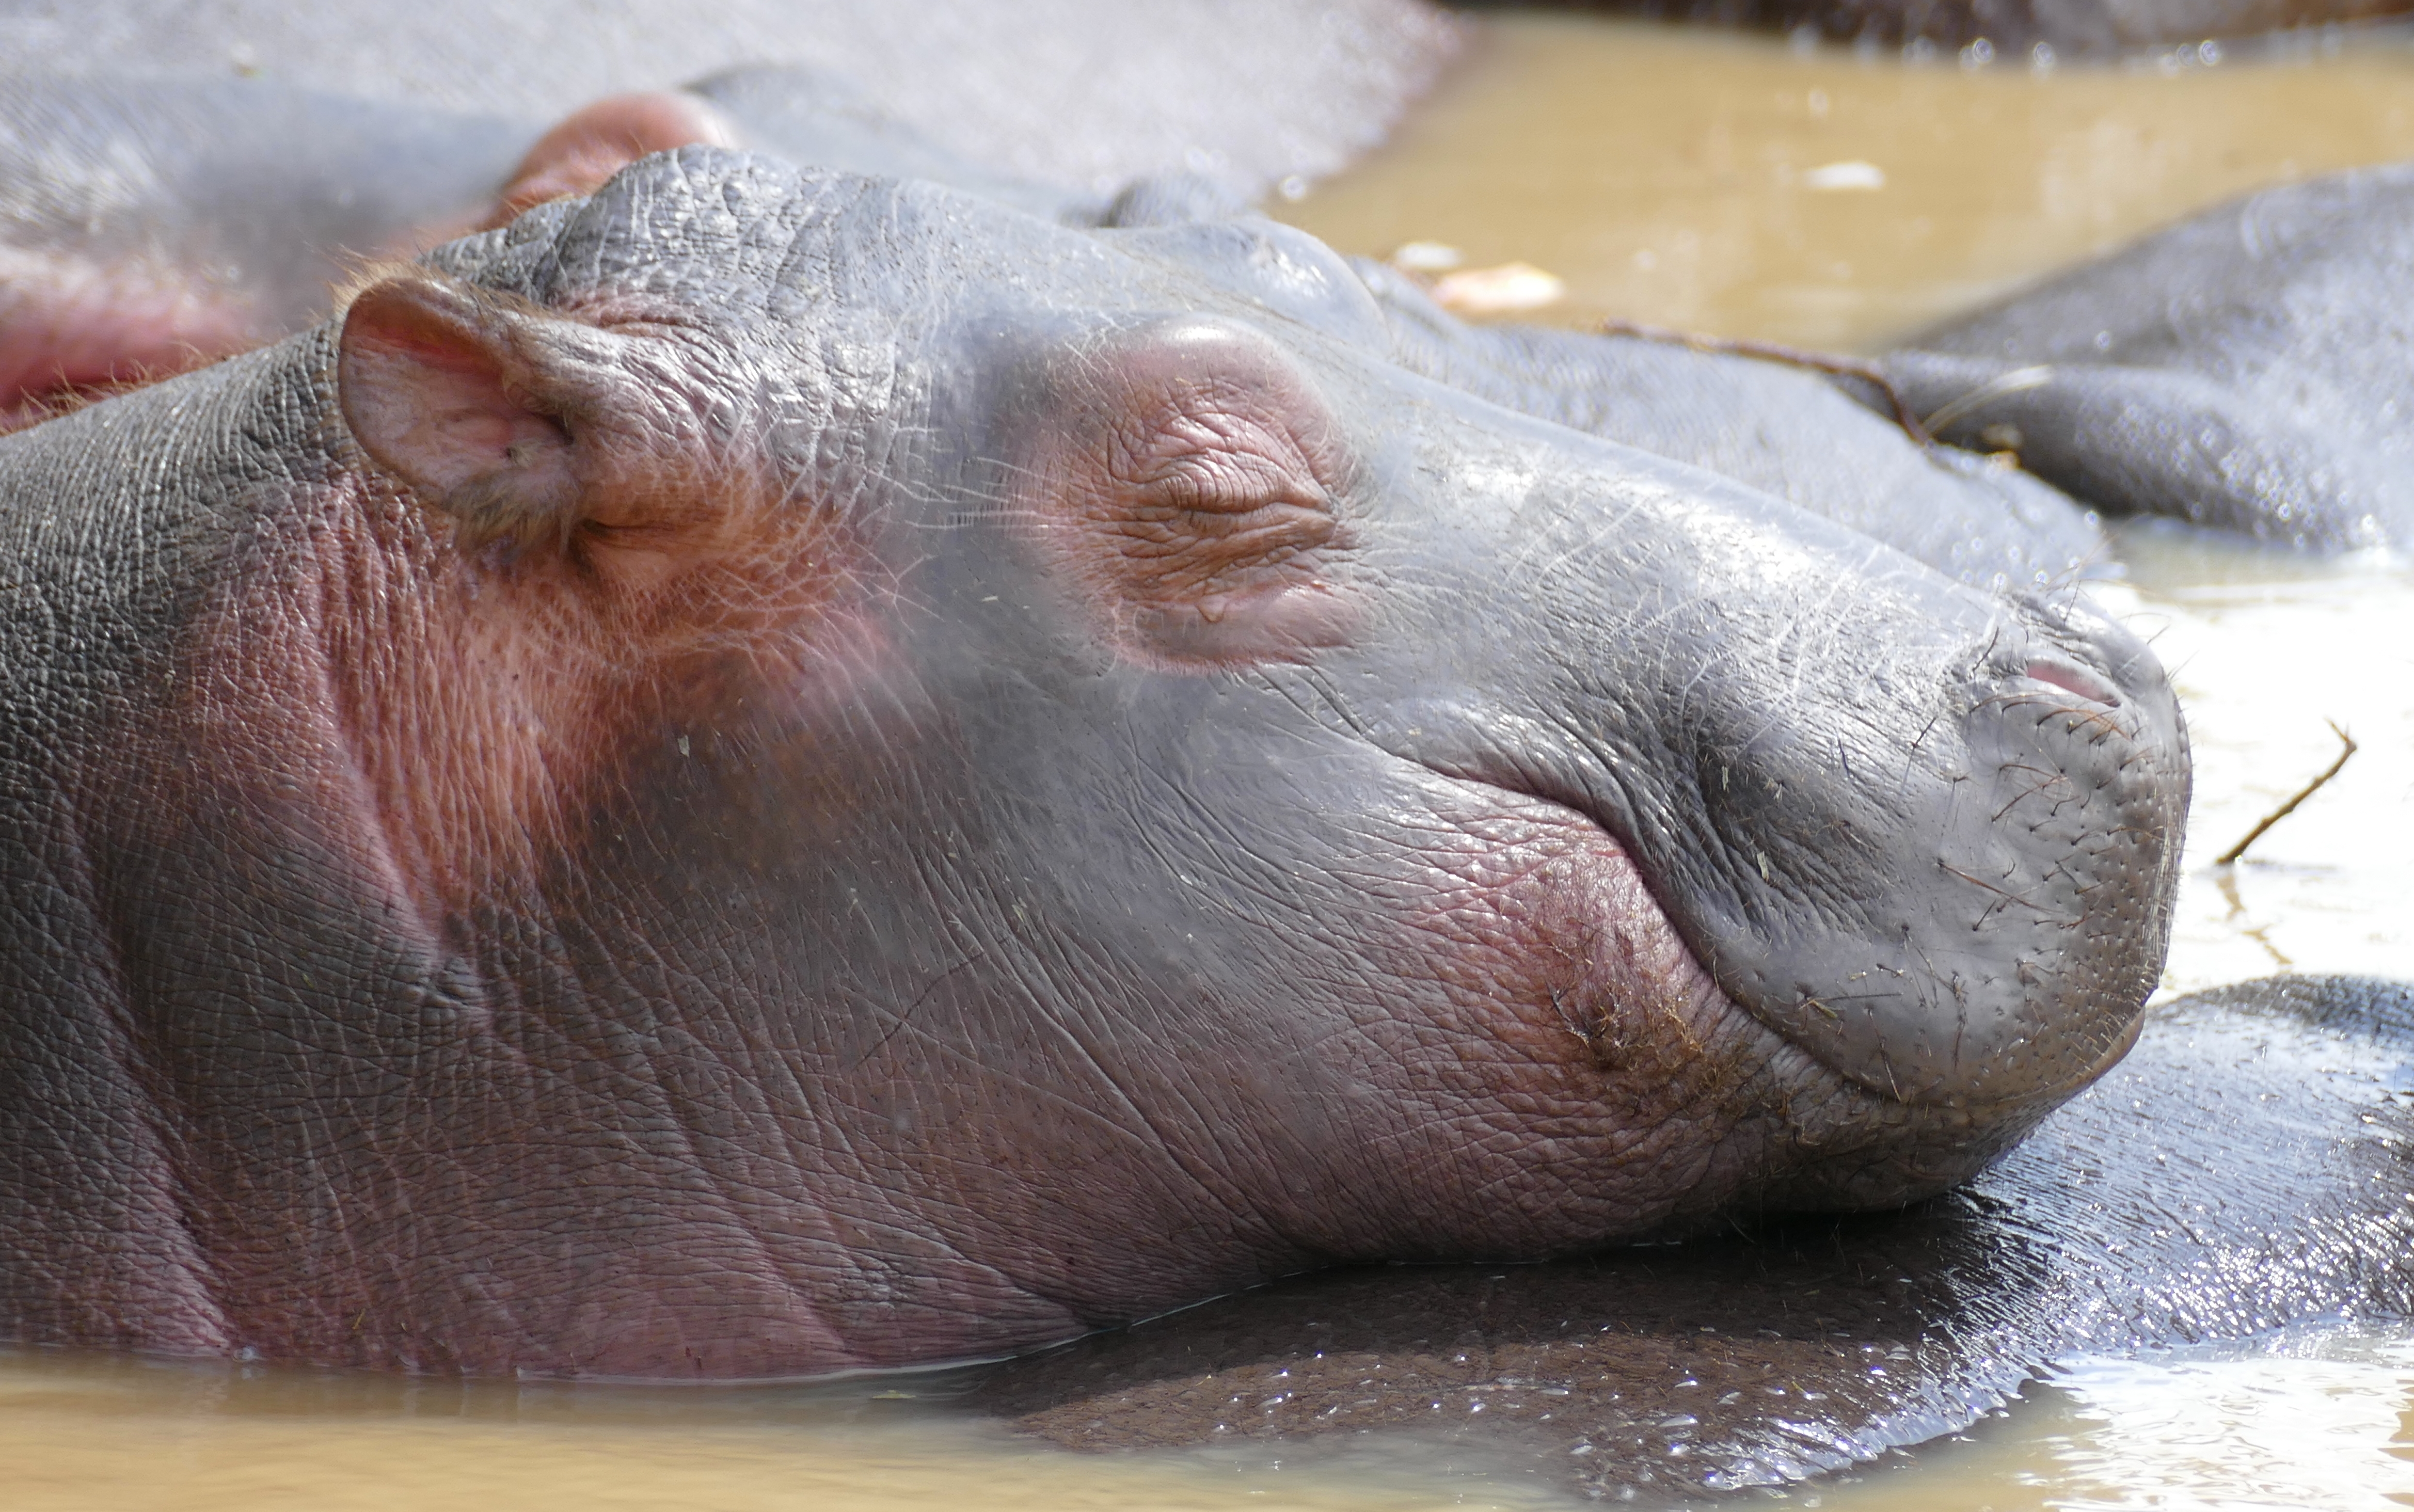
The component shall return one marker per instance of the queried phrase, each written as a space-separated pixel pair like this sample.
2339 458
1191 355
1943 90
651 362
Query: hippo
207 187
769 771
153 223
2037 31
118 280
2244 370
2240 1180
149 226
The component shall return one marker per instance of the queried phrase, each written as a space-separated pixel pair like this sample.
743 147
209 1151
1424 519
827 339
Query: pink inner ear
425 387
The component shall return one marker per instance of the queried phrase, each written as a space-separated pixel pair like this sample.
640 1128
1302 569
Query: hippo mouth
1648 988
1611 1019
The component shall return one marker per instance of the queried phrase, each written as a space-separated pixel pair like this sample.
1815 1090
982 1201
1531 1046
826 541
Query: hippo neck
282 1101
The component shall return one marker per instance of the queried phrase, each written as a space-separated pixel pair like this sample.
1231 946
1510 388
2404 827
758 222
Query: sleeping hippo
130 249
770 771
149 226
184 179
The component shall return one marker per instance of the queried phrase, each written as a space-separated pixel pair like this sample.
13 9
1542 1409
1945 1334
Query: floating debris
1852 173
2346 748
1506 289
1425 257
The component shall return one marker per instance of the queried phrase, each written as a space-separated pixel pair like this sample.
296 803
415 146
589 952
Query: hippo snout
1923 834
1997 945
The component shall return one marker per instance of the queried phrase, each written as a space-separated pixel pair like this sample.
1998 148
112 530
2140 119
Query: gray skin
181 180
769 771
1785 430
2245 369
149 225
132 198
2014 29
2262 1189
145 221
1084 95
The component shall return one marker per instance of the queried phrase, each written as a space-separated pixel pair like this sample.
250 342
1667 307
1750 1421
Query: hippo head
1071 782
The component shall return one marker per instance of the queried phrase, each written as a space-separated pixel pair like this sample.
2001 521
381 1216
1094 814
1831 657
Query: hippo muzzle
1925 833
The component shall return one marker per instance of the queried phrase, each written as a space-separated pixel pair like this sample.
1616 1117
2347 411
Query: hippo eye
1224 461
1189 482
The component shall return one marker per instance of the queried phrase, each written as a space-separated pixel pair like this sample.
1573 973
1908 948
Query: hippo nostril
2071 680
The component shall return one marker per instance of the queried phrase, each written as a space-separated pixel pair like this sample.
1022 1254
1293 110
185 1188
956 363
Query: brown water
1662 176
1671 176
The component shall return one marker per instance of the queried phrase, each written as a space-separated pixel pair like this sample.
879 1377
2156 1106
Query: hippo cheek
1599 1084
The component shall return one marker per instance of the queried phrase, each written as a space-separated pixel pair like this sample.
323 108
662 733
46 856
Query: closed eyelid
1221 460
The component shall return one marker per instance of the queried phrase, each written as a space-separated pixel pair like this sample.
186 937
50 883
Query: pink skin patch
595 142
69 330
2071 680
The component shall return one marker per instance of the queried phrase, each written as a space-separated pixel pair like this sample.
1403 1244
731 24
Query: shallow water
1580 146
1674 177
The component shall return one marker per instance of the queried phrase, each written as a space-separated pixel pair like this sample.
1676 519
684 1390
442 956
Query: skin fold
2244 370
773 771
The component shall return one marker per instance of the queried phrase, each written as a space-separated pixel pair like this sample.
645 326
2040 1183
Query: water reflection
2323 1420
2267 652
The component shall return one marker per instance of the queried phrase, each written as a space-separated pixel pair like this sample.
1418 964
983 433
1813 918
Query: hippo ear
499 413
592 144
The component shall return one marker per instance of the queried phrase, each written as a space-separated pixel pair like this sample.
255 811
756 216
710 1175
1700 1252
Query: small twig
2346 748
2019 381
1770 351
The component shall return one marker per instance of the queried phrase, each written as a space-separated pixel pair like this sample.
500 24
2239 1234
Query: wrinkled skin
769 771
2242 404
2264 1187
99 260
2014 29
2246 369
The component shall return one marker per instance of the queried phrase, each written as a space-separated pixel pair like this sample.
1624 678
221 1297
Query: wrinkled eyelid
1227 483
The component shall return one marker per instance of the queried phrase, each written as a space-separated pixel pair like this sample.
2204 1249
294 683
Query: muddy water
1665 177
1672 177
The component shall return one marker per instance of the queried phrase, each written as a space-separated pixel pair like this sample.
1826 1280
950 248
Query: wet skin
2244 381
2243 1171
2014 30
2244 370
771 771
148 225
157 213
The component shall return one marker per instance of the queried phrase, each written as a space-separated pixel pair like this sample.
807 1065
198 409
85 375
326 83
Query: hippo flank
769 771
2034 32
